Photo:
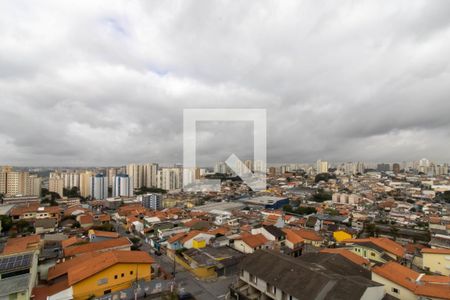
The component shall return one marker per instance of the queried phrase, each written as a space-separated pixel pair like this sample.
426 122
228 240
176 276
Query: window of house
372 254
115 276
253 279
242 273
131 272
271 289
394 290
122 275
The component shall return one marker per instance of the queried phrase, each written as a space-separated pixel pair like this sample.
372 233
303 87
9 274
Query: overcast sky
106 82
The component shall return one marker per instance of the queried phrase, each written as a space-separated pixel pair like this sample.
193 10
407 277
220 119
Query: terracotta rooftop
71 241
62 268
82 267
254 240
108 234
308 235
293 236
34 207
191 234
86 219
176 237
193 222
427 286
384 243
436 251
99 246
220 230
22 244
348 255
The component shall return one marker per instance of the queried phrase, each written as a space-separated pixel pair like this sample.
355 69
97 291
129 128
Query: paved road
201 290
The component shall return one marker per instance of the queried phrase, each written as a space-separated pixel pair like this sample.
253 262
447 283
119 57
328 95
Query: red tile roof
122 242
429 286
293 236
108 234
22 244
384 243
308 235
436 251
348 255
254 240
86 219
71 241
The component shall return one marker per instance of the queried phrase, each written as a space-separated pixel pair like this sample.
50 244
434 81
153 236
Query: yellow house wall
201 273
437 263
370 254
403 293
91 287
198 244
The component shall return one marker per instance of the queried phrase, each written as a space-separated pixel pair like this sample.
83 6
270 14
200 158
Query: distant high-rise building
396 168
272 171
150 176
259 166
170 179
33 185
350 168
360 168
249 164
13 183
424 166
56 184
151 201
221 168
111 173
122 186
85 183
71 179
99 187
383 167
321 166
136 171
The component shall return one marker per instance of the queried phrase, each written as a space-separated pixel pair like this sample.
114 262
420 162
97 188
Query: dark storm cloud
106 83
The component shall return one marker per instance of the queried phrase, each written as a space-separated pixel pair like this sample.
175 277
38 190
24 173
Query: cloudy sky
106 82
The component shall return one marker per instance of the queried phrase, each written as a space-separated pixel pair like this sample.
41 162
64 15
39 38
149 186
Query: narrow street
201 290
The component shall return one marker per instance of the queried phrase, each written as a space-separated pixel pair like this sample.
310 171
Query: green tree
6 223
394 231
321 196
288 208
24 227
370 229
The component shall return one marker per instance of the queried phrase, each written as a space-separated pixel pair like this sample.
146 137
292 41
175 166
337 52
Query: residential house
436 260
270 275
18 275
406 284
310 237
45 225
122 243
272 233
23 244
35 211
249 243
196 239
95 275
294 242
363 262
99 235
377 250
